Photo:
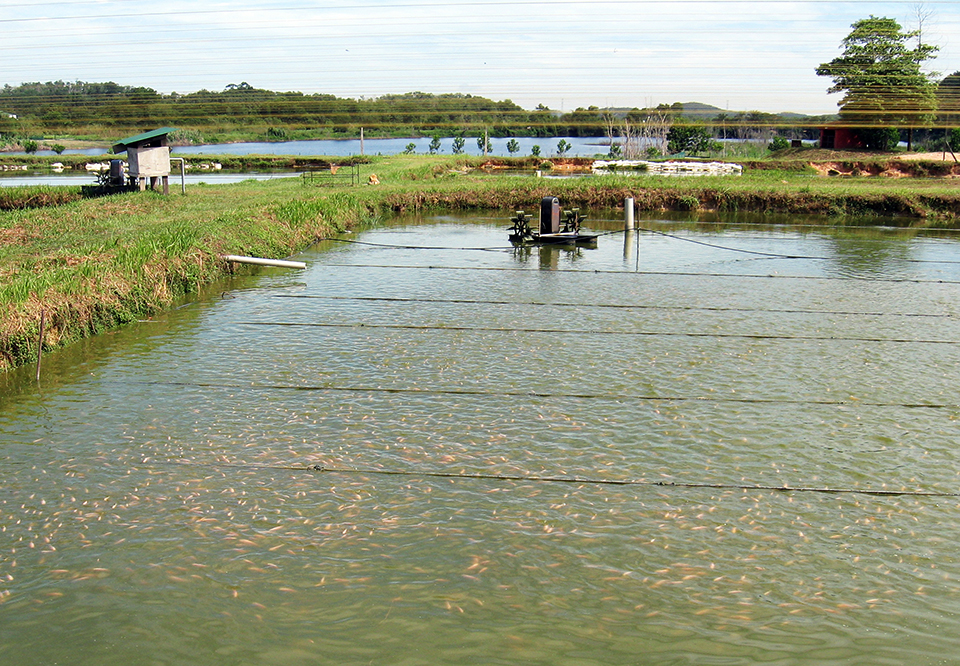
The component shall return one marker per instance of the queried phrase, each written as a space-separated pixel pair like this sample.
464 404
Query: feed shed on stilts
148 156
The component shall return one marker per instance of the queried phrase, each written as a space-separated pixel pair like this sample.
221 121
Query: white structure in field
148 155
669 168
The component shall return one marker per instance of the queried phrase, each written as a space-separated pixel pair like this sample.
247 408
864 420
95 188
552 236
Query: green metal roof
123 144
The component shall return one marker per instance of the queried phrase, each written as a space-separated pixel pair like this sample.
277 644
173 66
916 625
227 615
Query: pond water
534 456
84 178
580 147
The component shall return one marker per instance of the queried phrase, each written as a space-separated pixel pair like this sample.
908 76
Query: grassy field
93 264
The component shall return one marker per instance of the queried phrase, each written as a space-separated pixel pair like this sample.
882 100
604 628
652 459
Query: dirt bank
912 167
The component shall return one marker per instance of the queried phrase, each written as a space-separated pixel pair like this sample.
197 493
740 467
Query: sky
561 54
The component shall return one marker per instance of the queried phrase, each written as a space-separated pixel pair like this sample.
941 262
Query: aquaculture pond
696 444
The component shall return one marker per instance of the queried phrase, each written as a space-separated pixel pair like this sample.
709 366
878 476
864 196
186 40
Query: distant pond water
580 147
722 443
45 177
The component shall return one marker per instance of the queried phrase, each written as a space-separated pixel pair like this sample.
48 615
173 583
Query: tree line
106 110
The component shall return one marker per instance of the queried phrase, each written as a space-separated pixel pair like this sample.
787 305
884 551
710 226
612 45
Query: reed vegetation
93 264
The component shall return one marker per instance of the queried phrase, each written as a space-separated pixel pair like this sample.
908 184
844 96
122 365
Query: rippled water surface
706 445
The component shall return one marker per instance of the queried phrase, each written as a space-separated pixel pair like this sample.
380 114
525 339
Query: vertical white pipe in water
628 222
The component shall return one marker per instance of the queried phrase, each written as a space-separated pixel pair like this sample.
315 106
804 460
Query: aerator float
556 227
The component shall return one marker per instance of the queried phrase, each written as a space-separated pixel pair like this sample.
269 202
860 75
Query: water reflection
871 258
549 257
554 455
631 241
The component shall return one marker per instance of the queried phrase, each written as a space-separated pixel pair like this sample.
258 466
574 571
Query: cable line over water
769 276
494 329
619 398
779 255
391 246
578 480
770 255
612 306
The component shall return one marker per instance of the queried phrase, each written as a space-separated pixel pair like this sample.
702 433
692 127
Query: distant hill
704 112
701 110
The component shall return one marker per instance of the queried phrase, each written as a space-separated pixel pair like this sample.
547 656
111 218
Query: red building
840 138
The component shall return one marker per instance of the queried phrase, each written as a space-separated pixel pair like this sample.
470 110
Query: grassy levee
14 198
94 264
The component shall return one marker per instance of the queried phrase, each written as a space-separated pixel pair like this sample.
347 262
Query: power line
299 9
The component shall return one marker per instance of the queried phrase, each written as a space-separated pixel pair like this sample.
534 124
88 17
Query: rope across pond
572 480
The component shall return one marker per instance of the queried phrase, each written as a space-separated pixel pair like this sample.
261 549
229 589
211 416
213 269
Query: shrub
778 143
186 137
688 202
688 138
30 146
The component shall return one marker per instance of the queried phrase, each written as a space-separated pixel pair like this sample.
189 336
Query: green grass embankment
93 264
18 198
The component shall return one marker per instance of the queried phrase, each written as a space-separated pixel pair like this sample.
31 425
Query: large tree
948 99
948 111
881 77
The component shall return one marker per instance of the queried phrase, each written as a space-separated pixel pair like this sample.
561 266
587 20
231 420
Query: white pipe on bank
279 263
183 174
